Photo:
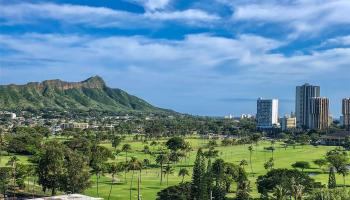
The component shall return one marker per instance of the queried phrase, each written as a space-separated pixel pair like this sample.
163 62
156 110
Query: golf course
284 157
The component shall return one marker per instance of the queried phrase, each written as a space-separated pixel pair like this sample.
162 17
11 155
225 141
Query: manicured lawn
151 181
5 158
150 184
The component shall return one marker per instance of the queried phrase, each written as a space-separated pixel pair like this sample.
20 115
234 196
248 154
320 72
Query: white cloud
341 41
302 16
247 56
200 66
154 4
190 14
96 16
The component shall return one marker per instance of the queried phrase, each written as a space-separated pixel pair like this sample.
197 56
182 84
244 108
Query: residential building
346 113
288 123
335 139
230 116
341 121
75 125
7 115
302 103
267 113
319 113
246 116
330 120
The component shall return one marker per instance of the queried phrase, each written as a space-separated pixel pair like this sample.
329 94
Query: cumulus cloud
241 50
95 16
153 4
190 14
337 41
244 66
246 55
301 16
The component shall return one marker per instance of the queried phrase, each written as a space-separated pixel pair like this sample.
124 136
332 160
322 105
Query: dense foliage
287 179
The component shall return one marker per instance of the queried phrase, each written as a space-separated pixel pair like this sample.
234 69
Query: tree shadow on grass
110 183
184 165
153 187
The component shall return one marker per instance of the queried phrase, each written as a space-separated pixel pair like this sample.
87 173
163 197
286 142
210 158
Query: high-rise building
319 113
267 113
346 113
302 103
288 122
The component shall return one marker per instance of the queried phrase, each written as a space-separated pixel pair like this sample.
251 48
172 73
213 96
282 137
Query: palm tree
251 149
117 152
97 169
32 172
168 170
116 140
29 170
280 192
133 165
297 190
13 163
183 172
270 148
126 148
187 150
113 169
2 143
344 171
146 163
161 159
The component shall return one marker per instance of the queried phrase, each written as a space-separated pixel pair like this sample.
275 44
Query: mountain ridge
92 93
92 82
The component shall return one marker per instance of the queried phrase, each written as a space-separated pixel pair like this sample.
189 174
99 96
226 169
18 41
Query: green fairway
151 180
150 183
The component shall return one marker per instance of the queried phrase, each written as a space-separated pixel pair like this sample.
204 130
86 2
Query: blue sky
208 57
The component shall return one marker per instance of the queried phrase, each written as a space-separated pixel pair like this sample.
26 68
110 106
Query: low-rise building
335 139
288 123
230 116
75 125
7 115
246 116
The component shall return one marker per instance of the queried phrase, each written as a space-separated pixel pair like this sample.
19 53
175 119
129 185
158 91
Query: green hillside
91 94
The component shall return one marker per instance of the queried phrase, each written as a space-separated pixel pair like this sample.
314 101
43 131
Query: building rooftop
337 135
69 197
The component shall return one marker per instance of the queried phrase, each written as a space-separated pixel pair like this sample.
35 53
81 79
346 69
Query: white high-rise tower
267 113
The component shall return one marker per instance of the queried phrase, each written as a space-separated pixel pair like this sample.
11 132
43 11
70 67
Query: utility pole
211 195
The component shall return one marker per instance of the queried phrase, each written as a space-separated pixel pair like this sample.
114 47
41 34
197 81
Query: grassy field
150 184
151 180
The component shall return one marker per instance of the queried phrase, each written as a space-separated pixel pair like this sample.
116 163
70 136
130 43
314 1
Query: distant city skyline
210 57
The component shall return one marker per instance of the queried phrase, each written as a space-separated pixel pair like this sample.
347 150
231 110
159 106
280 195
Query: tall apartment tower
319 113
302 103
267 113
346 113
